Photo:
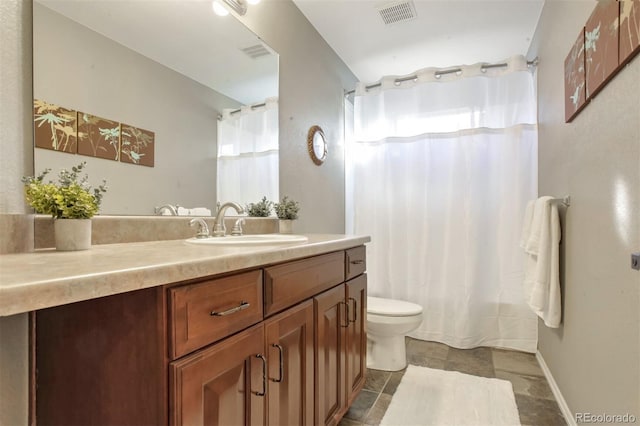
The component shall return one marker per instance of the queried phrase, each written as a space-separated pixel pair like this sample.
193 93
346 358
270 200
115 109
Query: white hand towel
538 217
200 211
526 224
184 211
542 269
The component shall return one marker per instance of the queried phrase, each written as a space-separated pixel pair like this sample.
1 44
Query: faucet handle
203 228
237 228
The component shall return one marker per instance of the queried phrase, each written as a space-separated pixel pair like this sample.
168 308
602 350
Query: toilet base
386 353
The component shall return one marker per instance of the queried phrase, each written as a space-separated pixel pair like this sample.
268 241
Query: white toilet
388 322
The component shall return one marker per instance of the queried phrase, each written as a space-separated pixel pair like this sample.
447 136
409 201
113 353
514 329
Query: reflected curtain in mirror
248 153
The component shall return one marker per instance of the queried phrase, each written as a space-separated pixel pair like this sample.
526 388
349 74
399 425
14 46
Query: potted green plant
70 201
260 209
287 211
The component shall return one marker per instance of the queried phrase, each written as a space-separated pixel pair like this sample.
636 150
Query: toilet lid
391 307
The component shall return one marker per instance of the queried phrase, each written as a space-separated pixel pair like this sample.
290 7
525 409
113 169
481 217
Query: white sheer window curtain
439 173
248 154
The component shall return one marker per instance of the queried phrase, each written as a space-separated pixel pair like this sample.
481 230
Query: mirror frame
314 131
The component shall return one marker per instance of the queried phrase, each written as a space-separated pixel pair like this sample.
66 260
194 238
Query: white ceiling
445 33
186 36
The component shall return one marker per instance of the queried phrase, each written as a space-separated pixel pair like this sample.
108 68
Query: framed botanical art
574 80
137 146
601 45
629 30
98 137
54 127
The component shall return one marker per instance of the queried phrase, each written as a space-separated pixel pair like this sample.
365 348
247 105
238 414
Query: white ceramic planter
285 226
72 234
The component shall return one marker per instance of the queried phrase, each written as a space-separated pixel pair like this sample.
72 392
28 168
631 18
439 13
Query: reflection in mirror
167 67
248 153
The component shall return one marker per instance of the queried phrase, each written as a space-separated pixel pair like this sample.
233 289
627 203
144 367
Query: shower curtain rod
437 74
235 111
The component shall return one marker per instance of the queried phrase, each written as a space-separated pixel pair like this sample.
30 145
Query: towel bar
566 200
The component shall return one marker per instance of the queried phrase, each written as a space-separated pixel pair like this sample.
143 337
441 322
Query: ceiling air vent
256 51
397 12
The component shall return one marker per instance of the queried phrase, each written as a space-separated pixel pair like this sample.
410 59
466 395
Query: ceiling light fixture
220 7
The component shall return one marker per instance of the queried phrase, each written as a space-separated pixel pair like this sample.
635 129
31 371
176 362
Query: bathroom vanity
171 333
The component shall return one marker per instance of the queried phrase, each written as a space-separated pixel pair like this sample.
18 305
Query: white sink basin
250 240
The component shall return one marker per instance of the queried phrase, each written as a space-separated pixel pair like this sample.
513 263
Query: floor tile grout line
366 415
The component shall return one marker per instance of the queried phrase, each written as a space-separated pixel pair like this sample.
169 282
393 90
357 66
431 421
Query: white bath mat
427 396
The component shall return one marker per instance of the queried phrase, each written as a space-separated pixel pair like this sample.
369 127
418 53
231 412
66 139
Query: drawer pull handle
357 262
281 365
243 305
355 310
264 375
346 307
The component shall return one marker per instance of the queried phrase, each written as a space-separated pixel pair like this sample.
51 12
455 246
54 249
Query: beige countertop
47 278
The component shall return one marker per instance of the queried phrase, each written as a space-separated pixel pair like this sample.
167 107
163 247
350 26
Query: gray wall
116 83
16 227
312 80
595 355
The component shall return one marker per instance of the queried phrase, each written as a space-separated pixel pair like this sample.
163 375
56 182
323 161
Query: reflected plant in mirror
260 209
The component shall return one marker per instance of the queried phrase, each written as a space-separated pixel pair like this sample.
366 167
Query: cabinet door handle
264 375
357 262
243 305
281 365
355 310
346 307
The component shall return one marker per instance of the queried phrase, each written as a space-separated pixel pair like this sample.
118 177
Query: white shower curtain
248 154
439 173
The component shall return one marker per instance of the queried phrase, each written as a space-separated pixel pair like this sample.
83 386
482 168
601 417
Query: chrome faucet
203 228
237 228
219 230
172 209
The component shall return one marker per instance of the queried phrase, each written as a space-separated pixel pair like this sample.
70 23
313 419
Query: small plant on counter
287 209
260 209
70 198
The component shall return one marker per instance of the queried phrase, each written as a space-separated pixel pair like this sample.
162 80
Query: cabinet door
330 322
222 384
356 336
289 346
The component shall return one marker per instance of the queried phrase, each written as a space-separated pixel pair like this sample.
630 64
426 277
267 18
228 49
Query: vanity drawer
205 312
356 262
288 284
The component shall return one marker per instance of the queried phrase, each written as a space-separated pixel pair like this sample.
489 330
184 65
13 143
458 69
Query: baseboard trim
562 403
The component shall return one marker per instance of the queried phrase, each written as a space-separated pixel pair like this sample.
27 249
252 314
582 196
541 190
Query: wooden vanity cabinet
102 361
263 375
279 345
340 318
331 345
222 384
356 336
289 349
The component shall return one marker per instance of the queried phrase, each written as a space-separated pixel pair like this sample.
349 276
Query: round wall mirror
317 145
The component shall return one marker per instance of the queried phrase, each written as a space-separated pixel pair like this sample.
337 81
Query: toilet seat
391 307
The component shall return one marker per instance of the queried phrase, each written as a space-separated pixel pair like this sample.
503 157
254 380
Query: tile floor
535 401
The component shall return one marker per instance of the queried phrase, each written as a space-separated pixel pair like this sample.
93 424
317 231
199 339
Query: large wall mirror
170 67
